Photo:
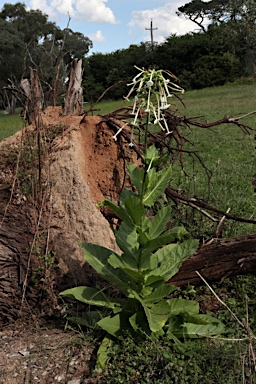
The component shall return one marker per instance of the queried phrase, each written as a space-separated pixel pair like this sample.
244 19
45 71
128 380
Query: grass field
9 124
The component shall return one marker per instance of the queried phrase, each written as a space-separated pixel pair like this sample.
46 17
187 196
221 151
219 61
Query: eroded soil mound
48 205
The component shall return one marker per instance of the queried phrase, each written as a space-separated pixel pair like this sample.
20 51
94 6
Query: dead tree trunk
74 97
219 260
15 241
33 94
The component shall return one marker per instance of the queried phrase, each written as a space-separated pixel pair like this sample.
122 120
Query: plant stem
145 151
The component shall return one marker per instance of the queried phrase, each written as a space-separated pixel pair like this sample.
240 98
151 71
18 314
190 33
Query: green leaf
91 296
125 194
157 314
89 319
127 241
152 280
156 185
153 158
136 175
151 154
182 305
159 222
139 323
159 293
135 209
97 257
102 354
116 324
119 262
171 257
119 211
204 325
166 238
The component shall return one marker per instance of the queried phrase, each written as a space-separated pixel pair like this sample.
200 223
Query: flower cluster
152 93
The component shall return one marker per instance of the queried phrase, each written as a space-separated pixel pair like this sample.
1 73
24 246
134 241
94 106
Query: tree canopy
29 39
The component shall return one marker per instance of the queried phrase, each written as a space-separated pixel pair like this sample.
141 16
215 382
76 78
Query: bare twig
220 224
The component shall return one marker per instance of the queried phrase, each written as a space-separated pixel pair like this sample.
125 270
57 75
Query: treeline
199 60
222 50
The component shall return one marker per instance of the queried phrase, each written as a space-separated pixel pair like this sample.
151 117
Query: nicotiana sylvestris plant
150 253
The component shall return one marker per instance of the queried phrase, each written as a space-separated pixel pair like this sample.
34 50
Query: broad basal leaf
97 257
91 296
118 262
182 305
159 293
139 323
157 314
102 354
193 330
115 325
89 319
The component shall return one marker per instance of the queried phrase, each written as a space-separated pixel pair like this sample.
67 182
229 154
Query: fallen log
220 259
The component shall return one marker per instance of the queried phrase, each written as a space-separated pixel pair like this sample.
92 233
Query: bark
74 97
33 93
218 261
15 241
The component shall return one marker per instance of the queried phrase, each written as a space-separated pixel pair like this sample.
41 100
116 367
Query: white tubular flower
163 99
119 130
166 87
140 86
134 105
147 110
134 123
176 88
150 83
131 140
166 126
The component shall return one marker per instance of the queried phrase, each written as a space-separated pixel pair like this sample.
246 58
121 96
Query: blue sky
115 24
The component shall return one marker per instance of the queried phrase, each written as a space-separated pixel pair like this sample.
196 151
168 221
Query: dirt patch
33 355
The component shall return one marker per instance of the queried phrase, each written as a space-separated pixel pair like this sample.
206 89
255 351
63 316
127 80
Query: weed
148 361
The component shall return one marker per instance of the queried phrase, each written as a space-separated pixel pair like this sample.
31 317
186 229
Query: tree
218 11
41 44
238 16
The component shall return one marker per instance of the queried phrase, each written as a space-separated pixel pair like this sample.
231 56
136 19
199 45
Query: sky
115 24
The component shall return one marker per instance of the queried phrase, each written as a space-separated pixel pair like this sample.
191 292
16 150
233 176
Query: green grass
9 124
226 151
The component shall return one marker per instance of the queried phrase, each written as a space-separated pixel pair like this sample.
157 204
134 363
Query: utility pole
151 29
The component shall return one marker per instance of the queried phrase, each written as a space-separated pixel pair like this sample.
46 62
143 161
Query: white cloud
85 10
44 7
98 36
164 19
95 11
